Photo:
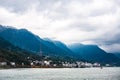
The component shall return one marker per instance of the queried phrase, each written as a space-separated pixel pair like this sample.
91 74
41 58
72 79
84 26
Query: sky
70 21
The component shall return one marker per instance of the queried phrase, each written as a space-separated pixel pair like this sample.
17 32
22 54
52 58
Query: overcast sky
70 21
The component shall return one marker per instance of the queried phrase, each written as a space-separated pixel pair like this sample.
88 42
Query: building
3 63
12 63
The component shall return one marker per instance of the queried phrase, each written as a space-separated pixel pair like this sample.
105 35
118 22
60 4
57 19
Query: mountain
117 54
21 38
62 46
33 44
94 53
11 53
26 40
64 52
65 48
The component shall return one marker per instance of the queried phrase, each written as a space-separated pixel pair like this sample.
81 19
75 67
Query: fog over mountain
23 39
70 21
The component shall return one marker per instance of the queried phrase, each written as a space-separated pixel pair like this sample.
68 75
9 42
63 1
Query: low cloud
71 21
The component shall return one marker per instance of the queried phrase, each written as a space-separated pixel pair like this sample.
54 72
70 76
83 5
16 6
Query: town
50 64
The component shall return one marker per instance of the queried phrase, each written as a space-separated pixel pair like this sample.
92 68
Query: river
108 73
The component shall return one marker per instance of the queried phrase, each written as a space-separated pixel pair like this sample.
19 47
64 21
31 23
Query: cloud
17 6
83 21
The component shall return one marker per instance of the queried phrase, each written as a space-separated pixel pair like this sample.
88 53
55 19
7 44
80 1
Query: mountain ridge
94 53
11 53
25 39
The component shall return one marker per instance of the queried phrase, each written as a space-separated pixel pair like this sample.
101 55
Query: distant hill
31 45
24 39
30 42
11 53
94 53
60 48
64 47
21 38
117 54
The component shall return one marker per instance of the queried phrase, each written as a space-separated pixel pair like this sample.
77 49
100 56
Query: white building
107 65
96 65
47 62
88 64
31 63
12 63
3 63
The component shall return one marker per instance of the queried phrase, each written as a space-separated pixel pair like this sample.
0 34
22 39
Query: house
3 63
47 63
96 65
12 63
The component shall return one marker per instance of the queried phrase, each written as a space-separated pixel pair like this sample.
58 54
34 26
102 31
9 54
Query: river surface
110 73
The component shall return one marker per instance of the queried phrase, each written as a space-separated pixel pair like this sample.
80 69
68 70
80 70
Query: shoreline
56 68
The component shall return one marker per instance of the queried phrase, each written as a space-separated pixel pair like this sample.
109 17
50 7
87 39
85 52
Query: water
60 74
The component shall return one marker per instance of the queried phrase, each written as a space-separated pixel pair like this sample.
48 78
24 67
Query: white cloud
84 21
